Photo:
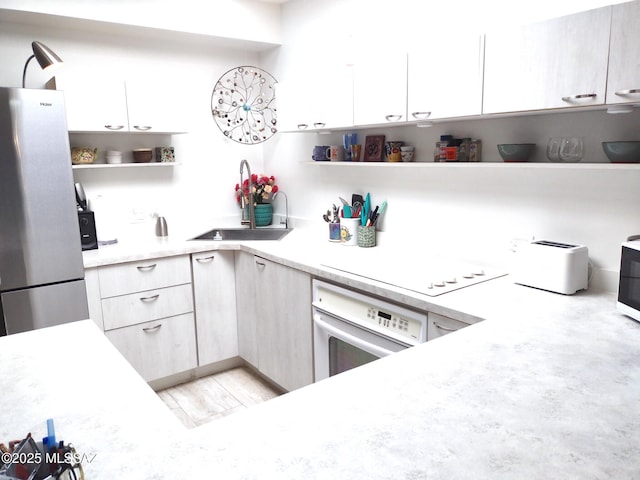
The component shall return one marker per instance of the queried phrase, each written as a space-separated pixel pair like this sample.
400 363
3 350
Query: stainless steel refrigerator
41 270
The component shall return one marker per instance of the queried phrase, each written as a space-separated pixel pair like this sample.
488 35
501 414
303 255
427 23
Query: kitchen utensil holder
366 236
334 232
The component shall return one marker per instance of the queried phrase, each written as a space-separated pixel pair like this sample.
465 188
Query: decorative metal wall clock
243 105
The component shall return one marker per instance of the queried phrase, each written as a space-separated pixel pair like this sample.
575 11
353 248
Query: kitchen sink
244 234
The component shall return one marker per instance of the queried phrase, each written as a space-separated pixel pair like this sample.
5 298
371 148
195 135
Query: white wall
191 194
475 211
238 19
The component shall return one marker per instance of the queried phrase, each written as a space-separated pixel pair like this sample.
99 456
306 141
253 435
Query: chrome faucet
286 208
251 221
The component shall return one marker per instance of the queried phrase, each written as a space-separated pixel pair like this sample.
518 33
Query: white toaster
554 266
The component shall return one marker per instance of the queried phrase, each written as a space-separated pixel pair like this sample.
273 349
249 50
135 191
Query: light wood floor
215 396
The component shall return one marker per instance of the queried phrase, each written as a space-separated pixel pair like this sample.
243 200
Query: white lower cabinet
284 324
246 307
158 348
274 320
439 326
214 293
134 308
92 283
147 310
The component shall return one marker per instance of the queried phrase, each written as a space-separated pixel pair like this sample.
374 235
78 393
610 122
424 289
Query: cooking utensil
81 197
379 212
367 207
344 202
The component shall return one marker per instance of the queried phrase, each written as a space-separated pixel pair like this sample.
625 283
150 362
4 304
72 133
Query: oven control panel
396 321
390 321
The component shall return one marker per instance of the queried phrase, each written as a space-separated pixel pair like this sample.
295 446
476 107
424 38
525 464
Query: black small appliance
86 220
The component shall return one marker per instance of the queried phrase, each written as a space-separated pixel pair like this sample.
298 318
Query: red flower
262 189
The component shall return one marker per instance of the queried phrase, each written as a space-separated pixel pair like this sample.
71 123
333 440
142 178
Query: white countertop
547 387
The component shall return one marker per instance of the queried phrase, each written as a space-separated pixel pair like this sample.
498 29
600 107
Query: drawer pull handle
319 124
393 118
579 97
143 128
146 268
114 127
629 91
150 299
262 264
205 259
152 329
302 126
442 327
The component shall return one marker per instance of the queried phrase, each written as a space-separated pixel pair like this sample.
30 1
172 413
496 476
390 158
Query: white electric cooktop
430 276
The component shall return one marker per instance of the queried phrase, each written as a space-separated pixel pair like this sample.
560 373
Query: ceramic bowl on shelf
142 155
83 155
516 152
622 152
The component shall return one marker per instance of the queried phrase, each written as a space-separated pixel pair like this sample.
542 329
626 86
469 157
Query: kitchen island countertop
550 392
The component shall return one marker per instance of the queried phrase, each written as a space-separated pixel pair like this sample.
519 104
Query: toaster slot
554 244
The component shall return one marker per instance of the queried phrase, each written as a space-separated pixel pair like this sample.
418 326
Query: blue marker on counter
51 432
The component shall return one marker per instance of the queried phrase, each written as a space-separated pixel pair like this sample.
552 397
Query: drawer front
439 326
144 275
135 308
159 348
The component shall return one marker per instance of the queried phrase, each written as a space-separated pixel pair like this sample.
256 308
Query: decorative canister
366 236
263 213
349 231
393 151
165 154
334 232
83 155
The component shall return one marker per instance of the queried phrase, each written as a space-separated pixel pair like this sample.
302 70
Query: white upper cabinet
445 78
624 54
552 64
317 92
102 104
154 107
380 86
96 104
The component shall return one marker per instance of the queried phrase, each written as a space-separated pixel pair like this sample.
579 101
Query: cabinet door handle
302 126
420 115
319 124
443 328
150 299
205 259
143 128
393 118
114 127
629 91
579 97
146 268
155 328
262 264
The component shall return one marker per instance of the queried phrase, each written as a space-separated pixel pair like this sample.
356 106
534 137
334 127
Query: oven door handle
355 341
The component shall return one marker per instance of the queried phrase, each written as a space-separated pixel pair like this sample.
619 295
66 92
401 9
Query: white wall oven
352 329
